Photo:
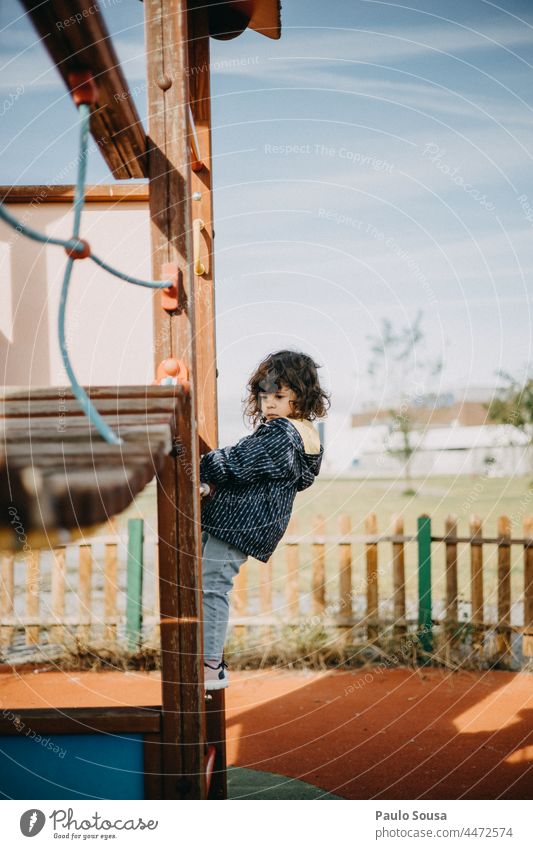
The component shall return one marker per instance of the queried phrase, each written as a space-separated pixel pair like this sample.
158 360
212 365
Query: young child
252 486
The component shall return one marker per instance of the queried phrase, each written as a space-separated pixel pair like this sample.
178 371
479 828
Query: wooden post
202 207
398 576
57 632
527 639
452 608
372 612
134 586
7 597
179 524
318 587
504 586
32 595
425 620
476 582
293 573
84 593
344 618
201 178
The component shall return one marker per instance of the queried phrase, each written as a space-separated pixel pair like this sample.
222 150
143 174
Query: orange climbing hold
172 371
169 296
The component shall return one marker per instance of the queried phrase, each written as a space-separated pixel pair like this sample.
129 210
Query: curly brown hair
294 370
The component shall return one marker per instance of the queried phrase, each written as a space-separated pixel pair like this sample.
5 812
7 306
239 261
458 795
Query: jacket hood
310 453
309 434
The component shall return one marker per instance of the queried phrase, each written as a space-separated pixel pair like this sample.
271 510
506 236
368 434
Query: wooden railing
372 583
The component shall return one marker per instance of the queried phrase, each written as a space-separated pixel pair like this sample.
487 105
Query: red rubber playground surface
365 734
397 734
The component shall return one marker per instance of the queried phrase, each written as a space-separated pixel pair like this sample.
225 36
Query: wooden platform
58 475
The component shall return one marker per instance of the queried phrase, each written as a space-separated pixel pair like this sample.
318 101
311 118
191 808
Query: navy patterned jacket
256 482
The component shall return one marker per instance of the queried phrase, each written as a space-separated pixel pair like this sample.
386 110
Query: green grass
438 497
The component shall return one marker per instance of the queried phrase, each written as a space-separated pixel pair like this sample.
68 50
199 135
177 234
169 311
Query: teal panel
72 766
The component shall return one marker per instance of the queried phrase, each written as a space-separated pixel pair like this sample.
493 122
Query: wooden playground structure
51 482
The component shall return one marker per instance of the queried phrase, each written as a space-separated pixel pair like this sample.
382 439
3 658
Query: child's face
276 404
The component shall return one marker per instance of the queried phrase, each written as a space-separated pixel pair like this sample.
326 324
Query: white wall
109 323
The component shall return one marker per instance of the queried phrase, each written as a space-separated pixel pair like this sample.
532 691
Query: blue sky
375 161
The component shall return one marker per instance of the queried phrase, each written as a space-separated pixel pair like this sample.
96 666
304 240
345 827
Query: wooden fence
345 581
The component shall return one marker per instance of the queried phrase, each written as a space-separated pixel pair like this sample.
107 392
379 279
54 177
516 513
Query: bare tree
404 372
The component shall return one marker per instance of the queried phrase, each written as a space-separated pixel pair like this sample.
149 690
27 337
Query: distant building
451 434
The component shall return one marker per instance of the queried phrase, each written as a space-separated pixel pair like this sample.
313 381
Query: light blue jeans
221 561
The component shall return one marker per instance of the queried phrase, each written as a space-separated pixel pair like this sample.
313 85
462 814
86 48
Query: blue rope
149 284
75 244
79 196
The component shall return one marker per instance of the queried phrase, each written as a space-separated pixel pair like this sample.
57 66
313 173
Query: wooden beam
104 193
76 37
82 720
183 724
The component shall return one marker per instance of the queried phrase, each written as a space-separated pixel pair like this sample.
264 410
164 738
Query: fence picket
57 632
425 610
134 587
504 585
371 528
527 639
318 587
293 570
344 616
398 577
476 582
452 611
110 590
86 570
32 595
7 600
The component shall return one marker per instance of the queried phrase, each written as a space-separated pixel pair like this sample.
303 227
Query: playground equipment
58 481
